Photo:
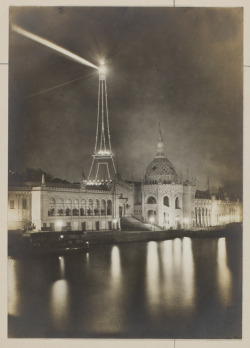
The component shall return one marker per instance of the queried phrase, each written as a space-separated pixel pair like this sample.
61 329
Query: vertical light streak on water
177 254
224 276
87 260
108 315
59 306
153 291
13 294
115 266
62 266
168 284
188 273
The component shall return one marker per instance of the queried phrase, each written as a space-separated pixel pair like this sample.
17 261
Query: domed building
166 201
160 170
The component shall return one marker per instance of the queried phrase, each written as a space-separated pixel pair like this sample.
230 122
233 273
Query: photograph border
178 343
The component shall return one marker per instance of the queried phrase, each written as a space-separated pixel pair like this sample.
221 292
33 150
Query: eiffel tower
102 168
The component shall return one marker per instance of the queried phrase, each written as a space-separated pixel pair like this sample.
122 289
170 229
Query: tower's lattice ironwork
103 166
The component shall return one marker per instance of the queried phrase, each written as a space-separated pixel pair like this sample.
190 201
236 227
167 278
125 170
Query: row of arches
83 207
203 217
166 201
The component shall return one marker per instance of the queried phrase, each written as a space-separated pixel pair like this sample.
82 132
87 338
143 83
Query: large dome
161 170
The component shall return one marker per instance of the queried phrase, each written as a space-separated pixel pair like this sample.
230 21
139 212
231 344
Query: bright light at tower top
102 71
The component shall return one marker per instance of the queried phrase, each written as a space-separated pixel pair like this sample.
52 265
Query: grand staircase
130 223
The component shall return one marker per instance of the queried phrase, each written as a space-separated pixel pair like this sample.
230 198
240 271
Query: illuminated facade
161 200
165 204
104 198
171 204
58 207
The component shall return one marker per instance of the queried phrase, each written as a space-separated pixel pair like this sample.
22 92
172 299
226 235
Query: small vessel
55 242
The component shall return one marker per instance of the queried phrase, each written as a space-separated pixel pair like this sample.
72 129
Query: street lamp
152 220
186 222
115 223
59 224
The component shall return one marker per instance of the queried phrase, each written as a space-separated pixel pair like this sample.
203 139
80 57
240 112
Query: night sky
179 66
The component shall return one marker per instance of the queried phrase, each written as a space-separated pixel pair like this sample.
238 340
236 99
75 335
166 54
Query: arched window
75 210
52 207
151 214
60 207
109 207
90 207
97 207
103 207
68 206
166 201
83 207
177 204
151 200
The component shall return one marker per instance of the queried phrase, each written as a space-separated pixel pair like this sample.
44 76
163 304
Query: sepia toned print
125 172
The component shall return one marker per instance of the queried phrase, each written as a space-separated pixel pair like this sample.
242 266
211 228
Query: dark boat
55 242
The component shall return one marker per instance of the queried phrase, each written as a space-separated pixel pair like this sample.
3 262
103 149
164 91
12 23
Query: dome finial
160 145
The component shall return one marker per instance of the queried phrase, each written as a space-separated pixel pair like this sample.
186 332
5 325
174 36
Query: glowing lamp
152 219
102 72
102 69
59 223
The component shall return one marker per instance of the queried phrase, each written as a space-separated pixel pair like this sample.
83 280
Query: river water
180 288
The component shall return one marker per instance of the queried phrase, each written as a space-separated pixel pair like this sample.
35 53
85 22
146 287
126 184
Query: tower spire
160 145
102 167
160 136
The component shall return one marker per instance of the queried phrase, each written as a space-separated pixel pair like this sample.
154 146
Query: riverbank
77 239
111 237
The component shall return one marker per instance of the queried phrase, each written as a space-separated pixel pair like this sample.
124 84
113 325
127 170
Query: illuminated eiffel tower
102 168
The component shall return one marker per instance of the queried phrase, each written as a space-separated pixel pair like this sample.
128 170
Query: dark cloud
182 67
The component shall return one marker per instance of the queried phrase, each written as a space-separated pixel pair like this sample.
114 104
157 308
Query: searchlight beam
53 46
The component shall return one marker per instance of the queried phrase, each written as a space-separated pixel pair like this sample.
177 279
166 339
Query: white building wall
19 217
173 217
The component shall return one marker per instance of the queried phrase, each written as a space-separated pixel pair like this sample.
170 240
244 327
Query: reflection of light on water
177 254
167 255
59 304
87 260
188 273
168 271
13 297
62 266
115 264
152 273
109 307
178 273
224 273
